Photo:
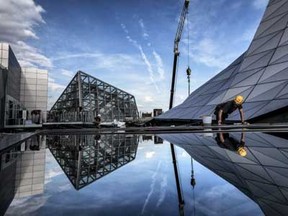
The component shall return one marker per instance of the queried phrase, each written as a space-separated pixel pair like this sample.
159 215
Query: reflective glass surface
130 174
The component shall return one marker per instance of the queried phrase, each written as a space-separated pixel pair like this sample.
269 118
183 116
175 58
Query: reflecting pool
130 174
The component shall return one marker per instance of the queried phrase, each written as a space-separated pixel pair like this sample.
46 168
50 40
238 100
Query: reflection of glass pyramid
262 174
260 74
86 158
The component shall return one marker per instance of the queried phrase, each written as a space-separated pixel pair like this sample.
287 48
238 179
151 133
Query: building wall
10 87
3 82
9 61
21 89
34 90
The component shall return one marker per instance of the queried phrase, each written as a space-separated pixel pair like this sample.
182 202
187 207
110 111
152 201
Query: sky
129 43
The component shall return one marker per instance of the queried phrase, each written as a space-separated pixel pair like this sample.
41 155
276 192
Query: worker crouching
223 110
97 121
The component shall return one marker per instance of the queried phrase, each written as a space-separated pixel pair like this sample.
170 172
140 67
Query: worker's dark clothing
97 121
229 142
227 108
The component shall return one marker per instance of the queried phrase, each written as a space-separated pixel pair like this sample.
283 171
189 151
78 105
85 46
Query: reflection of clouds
27 205
149 154
65 187
163 188
184 154
51 173
160 191
152 186
220 198
52 169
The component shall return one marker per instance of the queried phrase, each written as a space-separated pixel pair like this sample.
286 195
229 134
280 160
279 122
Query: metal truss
87 96
86 158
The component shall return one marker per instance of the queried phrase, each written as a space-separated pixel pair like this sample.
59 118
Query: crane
176 55
176 49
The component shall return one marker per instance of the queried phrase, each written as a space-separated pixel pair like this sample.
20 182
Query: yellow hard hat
241 151
239 99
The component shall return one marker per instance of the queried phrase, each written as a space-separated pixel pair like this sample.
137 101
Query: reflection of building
22 168
147 137
23 92
87 96
157 112
7 178
261 174
30 171
146 115
260 75
158 140
86 158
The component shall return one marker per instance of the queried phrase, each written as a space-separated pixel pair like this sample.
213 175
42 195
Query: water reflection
262 174
86 158
22 170
224 140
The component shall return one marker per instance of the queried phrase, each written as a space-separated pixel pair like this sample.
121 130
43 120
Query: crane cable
188 71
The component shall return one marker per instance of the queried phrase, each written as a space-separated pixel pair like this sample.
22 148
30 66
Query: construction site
226 142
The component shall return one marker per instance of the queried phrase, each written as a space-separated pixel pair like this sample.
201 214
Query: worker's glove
245 123
219 123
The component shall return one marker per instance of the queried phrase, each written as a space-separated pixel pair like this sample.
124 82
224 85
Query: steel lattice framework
87 96
86 158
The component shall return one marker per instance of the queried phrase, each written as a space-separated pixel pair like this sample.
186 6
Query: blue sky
129 43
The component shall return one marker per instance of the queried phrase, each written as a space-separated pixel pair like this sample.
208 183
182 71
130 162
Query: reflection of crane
176 50
176 54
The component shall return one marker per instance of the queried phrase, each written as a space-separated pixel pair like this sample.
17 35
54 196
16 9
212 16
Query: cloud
29 56
56 90
144 32
67 73
160 68
113 62
210 54
259 4
18 21
148 99
151 67
19 17
55 86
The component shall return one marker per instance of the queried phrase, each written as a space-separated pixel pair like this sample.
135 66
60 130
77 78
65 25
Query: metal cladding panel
262 174
260 74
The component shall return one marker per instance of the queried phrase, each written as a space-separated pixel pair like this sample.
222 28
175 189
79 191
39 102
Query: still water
128 174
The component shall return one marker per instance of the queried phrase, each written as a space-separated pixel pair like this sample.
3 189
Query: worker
224 109
232 144
97 120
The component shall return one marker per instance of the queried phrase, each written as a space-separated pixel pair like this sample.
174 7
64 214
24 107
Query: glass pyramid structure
260 75
262 174
86 96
